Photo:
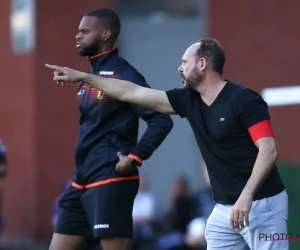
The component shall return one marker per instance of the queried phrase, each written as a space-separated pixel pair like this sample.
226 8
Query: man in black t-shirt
232 126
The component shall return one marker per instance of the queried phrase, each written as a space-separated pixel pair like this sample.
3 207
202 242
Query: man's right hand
64 74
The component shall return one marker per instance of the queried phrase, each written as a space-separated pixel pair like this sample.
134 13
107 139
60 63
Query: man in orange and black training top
98 204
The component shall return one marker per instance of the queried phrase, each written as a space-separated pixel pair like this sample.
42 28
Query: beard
92 49
193 80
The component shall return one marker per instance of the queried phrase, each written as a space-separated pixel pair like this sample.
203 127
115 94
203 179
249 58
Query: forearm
159 126
117 89
148 144
264 164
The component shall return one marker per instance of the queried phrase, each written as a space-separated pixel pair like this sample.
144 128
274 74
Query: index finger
54 67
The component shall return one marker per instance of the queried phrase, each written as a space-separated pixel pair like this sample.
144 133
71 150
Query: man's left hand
240 212
124 165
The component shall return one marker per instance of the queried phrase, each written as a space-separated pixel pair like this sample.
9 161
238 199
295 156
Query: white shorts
267 218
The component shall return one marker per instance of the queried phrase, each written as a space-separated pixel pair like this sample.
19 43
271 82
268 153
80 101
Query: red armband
261 129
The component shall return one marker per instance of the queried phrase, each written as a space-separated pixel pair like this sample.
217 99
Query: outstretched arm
122 90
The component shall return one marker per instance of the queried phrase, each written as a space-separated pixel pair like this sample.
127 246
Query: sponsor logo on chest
106 73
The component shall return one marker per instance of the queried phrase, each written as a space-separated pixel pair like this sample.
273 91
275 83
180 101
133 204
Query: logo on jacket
99 226
81 92
106 73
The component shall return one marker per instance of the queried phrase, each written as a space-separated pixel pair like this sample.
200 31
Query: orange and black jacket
109 126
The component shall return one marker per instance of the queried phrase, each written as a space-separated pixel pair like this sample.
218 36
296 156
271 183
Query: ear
202 64
106 35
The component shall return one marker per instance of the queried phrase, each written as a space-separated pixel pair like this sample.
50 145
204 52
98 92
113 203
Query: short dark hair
109 18
212 50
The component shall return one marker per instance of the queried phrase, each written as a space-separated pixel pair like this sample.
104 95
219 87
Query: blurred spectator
143 218
3 173
180 213
178 217
205 201
195 237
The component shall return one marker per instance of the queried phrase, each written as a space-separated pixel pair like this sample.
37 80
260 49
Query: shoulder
182 97
250 107
181 92
130 73
243 93
249 96
121 61
236 88
125 66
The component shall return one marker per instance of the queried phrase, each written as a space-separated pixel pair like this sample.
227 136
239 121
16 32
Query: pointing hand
64 74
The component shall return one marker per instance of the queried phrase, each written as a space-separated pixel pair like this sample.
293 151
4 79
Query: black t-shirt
221 131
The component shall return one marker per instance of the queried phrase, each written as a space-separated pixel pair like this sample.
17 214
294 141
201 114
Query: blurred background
39 121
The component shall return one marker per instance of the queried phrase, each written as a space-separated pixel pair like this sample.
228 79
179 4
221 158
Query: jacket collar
97 60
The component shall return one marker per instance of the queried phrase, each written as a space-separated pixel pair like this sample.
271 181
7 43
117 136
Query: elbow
268 149
162 121
165 123
273 154
169 124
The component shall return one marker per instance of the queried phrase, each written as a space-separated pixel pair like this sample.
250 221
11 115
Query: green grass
290 174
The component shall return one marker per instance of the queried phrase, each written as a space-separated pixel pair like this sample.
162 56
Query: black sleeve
179 98
252 108
159 125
